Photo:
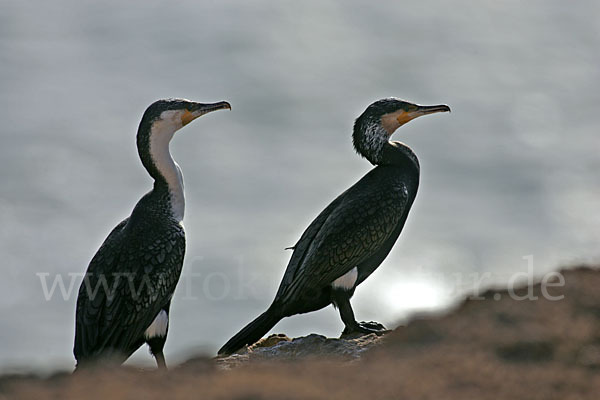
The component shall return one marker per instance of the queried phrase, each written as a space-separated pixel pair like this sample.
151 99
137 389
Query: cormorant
124 298
354 234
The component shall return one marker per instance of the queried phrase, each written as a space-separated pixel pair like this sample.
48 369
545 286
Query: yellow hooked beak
199 109
392 121
405 116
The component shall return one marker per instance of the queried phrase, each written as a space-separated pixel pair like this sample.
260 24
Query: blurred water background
512 172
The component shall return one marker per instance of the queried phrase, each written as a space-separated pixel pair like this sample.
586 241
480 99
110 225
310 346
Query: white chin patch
159 326
347 280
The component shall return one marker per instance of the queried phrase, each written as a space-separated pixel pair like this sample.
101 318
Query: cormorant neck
153 148
369 139
397 153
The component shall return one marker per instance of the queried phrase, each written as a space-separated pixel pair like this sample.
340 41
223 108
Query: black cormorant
124 299
354 234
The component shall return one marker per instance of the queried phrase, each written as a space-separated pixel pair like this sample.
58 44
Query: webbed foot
365 328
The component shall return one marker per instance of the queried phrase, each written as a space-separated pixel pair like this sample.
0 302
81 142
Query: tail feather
251 333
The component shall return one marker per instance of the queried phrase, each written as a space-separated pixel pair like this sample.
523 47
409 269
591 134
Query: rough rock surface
279 347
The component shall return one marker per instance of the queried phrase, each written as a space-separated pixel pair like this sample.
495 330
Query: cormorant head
170 115
372 130
160 122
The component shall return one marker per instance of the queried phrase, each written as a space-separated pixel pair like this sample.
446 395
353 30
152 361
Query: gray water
512 172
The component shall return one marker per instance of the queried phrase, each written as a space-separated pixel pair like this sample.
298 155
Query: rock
488 348
527 351
589 356
279 347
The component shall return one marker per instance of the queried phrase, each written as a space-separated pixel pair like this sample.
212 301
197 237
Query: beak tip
434 109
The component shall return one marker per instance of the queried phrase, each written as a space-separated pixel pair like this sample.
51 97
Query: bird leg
160 360
341 299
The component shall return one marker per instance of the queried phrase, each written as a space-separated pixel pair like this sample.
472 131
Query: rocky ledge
534 343
279 347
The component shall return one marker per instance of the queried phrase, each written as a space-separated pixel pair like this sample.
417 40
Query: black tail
251 333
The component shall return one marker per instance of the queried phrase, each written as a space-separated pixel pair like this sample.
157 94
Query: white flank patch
347 280
158 328
160 137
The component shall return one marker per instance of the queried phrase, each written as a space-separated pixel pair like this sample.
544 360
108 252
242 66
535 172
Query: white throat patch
162 132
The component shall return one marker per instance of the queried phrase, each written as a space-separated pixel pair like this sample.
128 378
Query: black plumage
353 235
132 277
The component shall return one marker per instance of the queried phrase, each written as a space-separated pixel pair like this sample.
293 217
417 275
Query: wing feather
127 283
347 232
